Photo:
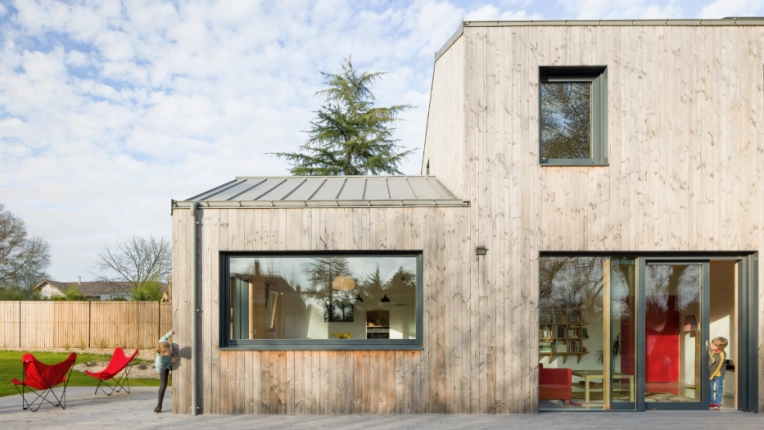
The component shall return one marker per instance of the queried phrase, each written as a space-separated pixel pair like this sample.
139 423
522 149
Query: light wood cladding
685 149
330 382
445 138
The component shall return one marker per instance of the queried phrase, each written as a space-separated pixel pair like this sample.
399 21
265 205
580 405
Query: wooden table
588 375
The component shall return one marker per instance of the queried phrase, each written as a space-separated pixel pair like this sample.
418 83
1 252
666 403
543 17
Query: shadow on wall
184 353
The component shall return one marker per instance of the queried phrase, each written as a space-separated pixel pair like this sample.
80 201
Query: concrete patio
85 410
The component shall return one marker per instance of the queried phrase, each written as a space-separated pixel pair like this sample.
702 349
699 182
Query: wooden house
587 224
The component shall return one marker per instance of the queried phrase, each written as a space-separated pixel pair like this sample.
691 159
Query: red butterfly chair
43 378
119 360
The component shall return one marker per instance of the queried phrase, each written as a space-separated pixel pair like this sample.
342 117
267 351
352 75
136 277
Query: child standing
717 366
163 363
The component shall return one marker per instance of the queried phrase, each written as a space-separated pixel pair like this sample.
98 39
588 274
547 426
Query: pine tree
350 136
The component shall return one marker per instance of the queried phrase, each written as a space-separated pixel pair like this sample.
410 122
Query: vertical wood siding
686 157
686 164
332 382
444 145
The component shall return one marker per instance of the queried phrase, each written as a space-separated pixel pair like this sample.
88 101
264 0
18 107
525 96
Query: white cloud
622 9
490 12
724 8
108 111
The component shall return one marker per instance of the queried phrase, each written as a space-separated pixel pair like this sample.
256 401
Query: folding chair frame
123 382
42 395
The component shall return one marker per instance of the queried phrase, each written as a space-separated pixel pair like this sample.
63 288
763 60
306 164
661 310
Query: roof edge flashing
315 204
620 22
451 40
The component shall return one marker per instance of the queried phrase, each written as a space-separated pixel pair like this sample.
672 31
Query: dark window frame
317 344
597 75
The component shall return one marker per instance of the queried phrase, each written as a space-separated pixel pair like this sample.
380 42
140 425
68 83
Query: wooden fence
43 325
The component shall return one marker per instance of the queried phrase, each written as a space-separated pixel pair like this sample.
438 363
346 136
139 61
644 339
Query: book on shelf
546 331
545 346
545 317
574 332
562 331
560 346
584 333
574 346
560 318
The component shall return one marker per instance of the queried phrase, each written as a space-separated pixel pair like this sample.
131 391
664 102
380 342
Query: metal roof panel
261 186
425 190
376 189
327 191
304 190
331 189
354 189
400 189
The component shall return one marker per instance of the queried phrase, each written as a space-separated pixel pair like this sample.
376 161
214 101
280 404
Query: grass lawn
10 367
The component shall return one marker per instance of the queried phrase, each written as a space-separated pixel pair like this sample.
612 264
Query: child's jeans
718 381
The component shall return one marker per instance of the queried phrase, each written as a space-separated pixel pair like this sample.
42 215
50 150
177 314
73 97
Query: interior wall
593 346
722 312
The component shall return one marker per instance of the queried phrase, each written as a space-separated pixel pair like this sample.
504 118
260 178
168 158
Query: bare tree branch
137 260
23 260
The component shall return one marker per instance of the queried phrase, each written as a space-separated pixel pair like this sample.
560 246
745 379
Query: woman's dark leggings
163 385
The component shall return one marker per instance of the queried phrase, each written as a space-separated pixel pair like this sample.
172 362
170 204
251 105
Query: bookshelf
562 332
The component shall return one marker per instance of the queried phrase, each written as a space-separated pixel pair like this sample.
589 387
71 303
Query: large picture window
322 301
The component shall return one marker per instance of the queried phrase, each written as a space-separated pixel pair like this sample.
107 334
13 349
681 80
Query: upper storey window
573 117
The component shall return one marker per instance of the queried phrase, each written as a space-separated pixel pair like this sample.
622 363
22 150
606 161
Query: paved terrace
85 410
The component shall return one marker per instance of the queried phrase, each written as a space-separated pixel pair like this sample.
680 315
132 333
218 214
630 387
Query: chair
555 384
119 360
43 378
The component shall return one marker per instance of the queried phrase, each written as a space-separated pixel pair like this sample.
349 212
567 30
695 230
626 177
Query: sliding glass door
627 332
672 335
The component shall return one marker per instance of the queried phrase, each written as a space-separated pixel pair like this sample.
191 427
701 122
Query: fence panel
125 324
45 324
71 324
165 319
10 324
37 325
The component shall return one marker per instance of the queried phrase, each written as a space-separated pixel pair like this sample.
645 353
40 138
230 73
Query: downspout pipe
195 356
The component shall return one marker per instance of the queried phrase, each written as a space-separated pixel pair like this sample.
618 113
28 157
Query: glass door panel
571 334
675 328
623 330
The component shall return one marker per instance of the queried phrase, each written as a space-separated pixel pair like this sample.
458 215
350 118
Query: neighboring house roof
326 191
91 289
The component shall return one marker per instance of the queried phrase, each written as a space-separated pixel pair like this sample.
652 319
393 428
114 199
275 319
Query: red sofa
555 384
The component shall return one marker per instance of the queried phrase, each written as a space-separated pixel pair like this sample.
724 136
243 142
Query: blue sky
110 109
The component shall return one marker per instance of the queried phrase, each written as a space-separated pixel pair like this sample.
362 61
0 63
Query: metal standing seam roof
325 191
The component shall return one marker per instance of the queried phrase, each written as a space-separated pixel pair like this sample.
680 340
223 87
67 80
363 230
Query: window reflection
566 120
572 331
323 297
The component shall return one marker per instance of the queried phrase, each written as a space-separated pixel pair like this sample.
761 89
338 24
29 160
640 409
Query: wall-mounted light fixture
481 250
343 283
